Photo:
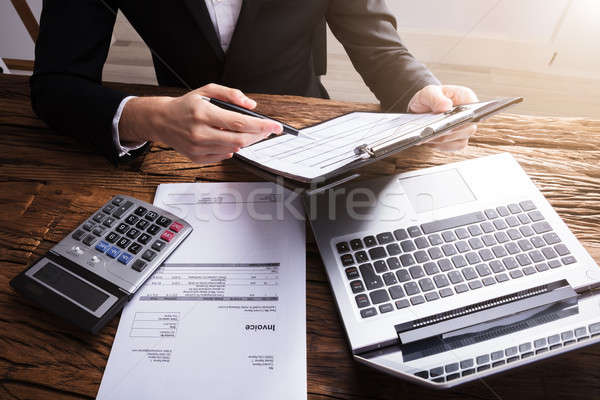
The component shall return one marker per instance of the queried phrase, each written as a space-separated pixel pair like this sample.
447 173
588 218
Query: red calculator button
167 236
176 227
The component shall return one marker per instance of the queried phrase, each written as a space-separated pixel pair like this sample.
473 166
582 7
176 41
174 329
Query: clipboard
369 151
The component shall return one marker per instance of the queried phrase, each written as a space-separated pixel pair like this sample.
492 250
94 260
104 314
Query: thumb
431 99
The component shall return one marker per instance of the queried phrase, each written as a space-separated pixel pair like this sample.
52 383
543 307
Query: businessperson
220 49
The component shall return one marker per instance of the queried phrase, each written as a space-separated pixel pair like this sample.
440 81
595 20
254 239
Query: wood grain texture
48 184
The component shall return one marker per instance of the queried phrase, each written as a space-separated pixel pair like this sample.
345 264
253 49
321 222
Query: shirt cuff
122 150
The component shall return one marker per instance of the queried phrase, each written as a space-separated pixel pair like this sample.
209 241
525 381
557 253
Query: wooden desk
48 184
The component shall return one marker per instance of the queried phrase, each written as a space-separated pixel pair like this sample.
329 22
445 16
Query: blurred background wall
545 50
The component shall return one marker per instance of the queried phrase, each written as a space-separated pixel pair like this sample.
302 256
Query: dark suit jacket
272 51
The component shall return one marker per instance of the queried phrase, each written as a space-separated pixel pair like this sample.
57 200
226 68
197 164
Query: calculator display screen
71 286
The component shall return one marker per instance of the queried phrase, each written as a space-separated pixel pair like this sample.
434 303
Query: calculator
90 274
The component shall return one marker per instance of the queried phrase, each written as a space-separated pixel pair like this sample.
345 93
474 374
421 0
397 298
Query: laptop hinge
444 323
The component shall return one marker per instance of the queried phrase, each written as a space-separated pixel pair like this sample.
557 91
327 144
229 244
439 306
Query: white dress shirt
224 16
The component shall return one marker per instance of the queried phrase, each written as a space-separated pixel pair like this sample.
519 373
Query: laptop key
389 278
554 264
448 250
487 227
551 238
403 275
541 227
516 274
512 221
512 248
525 244
426 284
491 213
393 263
475 285
526 231
446 292
523 260
396 292
500 224
462 246
554 339
421 256
431 296
356 244
411 288
370 241
539 343
524 219
529 270
527 205
414 231
486 254
483 270
467 363
475 230
510 263
435 239
549 253
514 208
368 312
488 281
454 222
435 253
421 242
445 265
357 286
380 266
542 267
431 268
362 300
372 280
407 259
536 256
352 273
502 211
402 304
594 328
568 260
377 252
475 243
579 332
416 272
497 355
449 236
499 251
385 308
455 277
459 261
400 234
361 256
561 249
501 278
408 246
473 258
469 273
385 238
535 216
461 288
417 300
537 242
497 266
461 233
441 281
379 296
524 347
347 260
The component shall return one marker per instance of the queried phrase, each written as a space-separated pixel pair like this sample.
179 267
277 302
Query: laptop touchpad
437 190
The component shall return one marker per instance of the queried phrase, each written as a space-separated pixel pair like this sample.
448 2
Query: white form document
334 144
331 144
224 317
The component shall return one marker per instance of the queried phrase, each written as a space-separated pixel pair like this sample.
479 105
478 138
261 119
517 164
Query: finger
211 136
459 94
430 99
455 145
464 132
228 94
236 122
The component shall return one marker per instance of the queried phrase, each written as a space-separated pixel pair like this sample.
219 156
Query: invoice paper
224 317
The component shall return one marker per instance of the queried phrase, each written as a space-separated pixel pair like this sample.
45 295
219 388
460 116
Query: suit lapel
200 14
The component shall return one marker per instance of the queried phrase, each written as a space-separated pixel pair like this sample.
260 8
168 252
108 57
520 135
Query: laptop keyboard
394 270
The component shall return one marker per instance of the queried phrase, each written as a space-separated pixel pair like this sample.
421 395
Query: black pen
290 130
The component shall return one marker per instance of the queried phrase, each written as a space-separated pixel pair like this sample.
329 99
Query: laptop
453 273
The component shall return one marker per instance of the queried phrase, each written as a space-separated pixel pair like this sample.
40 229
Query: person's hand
194 127
439 99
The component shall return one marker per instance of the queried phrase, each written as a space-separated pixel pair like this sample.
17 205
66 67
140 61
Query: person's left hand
439 99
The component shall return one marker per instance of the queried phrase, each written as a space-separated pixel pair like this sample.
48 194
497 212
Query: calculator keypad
130 235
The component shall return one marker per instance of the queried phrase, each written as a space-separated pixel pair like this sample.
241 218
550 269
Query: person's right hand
194 127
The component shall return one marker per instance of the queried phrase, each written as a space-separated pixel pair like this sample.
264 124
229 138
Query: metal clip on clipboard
453 322
449 119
